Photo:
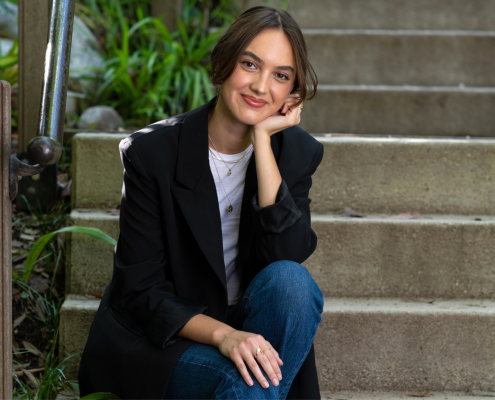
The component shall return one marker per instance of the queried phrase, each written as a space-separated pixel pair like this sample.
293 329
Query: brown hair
245 28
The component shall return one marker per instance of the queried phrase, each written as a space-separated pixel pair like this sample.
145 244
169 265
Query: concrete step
76 315
386 14
401 110
370 174
97 171
402 57
69 395
394 175
372 344
395 345
89 264
438 256
405 395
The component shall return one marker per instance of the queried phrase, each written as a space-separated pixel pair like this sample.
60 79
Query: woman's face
263 77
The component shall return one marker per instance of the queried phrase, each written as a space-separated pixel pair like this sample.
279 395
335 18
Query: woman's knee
293 281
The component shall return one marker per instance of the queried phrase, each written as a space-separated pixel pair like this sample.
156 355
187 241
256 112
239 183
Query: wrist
219 334
261 137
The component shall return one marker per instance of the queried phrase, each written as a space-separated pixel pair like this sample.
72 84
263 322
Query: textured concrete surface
90 261
76 315
387 14
371 344
401 110
395 345
382 175
432 257
402 57
405 395
437 256
361 395
97 173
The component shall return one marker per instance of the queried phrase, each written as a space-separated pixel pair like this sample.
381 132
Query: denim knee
292 281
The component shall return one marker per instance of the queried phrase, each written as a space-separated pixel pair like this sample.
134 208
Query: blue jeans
283 304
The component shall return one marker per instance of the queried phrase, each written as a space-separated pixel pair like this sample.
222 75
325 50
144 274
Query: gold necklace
221 159
230 208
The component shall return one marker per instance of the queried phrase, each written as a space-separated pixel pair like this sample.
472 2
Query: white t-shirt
230 220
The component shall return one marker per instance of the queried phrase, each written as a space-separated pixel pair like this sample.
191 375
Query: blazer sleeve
283 229
140 257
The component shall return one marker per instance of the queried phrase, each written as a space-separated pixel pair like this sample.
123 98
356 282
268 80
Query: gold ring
268 348
258 351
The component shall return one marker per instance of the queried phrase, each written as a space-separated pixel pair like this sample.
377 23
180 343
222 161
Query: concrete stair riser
401 57
394 345
448 257
436 257
89 260
70 395
387 14
394 175
401 110
97 170
76 315
445 176
372 344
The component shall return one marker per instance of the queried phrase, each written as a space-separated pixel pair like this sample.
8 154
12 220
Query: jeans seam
225 374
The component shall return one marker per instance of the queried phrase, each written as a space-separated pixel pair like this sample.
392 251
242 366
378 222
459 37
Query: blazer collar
193 155
199 202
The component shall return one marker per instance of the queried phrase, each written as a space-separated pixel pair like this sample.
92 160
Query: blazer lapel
199 201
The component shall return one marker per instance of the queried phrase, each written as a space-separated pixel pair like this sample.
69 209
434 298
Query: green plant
9 72
40 245
152 73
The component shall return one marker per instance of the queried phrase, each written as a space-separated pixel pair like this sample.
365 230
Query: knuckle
253 365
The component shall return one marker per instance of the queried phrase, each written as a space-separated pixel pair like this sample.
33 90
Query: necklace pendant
230 208
229 172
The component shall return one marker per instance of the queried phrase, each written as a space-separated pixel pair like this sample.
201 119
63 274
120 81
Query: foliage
152 73
47 304
9 72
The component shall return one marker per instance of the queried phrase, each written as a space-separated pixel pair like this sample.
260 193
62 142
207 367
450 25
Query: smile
253 102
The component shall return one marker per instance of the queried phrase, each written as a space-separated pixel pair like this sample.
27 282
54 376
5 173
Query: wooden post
6 243
34 23
168 9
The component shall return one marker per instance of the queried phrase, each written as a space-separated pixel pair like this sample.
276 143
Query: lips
253 102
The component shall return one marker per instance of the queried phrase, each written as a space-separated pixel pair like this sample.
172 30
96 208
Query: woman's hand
289 115
241 348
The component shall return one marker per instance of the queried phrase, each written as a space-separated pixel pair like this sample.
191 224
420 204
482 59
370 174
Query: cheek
239 79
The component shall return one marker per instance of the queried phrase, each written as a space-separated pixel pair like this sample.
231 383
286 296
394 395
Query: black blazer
168 261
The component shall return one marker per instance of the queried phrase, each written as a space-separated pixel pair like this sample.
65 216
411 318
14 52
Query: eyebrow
256 58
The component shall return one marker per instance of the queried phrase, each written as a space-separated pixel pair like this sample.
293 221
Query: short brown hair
245 28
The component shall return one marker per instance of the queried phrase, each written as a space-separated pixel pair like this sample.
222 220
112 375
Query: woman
208 298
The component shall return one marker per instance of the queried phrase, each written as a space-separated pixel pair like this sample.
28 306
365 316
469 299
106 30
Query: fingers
272 359
241 366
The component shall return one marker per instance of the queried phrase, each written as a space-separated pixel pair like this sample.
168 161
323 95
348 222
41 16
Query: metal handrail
46 148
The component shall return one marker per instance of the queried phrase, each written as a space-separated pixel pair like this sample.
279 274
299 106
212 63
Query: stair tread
355 305
404 395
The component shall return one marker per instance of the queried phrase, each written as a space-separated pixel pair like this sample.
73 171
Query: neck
229 135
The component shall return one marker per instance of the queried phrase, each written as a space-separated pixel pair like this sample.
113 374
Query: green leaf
99 395
183 32
43 241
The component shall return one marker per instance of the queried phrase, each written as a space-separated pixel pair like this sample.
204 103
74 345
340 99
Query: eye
247 62
283 76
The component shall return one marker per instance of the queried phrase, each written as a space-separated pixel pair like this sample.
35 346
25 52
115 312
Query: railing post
6 243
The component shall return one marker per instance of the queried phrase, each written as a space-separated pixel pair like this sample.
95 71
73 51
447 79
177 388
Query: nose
261 83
